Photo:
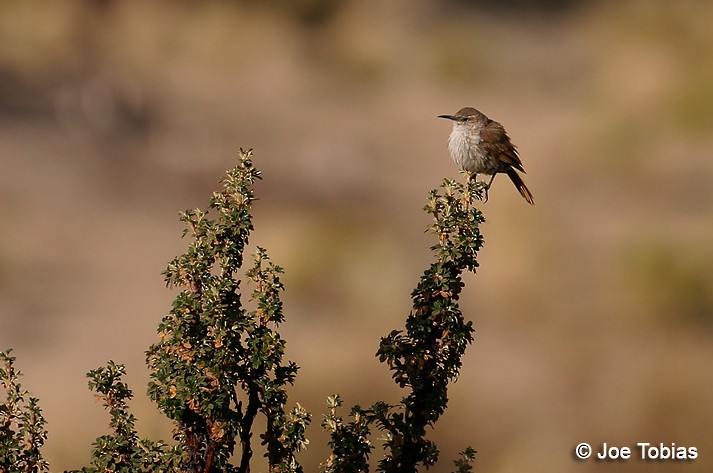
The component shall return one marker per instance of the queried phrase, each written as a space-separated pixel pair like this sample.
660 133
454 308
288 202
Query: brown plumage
480 145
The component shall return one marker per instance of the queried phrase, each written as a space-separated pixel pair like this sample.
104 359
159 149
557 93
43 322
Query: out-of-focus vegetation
594 314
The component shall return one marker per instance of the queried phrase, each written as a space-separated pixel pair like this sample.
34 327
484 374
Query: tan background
593 309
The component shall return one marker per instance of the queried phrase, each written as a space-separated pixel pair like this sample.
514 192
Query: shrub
218 364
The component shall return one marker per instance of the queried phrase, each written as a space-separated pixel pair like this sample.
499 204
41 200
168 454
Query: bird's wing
497 144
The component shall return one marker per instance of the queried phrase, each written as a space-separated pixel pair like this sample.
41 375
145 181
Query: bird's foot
482 188
479 188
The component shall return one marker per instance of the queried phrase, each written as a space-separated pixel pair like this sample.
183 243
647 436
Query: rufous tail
521 187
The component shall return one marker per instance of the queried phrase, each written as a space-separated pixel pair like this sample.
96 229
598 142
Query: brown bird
480 145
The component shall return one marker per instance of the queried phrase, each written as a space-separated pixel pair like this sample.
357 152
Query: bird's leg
490 182
487 187
473 179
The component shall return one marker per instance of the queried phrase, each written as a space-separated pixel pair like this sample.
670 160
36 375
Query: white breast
463 146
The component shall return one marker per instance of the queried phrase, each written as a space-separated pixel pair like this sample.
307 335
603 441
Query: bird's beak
449 117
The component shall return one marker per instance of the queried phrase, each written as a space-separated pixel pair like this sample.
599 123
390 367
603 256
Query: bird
479 145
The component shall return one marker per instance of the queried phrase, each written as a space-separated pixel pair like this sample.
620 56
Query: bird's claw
480 185
484 188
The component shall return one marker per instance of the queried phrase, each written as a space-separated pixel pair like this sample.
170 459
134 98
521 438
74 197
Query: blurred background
593 309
